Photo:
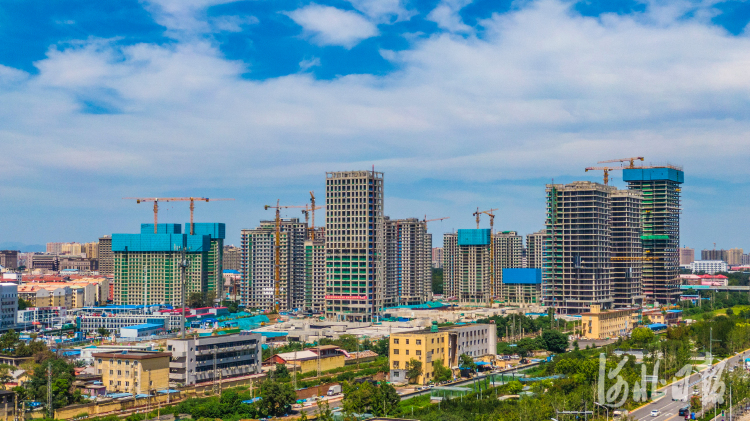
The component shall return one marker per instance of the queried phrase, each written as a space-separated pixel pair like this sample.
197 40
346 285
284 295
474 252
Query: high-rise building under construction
408 262
466 265
625 247
660 188
355 246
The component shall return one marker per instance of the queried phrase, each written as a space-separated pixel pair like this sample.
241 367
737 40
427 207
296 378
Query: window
395 352
395 365
433 340
127 372
419 342
407 352
111 382
119 372
119 382
419 352
407 342
127 383
100 361
395 341
111 372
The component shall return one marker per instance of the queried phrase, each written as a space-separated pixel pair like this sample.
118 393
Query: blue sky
462 104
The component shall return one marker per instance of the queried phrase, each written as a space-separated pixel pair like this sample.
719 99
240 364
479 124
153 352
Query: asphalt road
668 409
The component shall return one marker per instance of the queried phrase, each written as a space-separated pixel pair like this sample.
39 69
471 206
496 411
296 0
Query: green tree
414 370
9 342
103 332
358 398
646 320
381 346
276 398
465 361
437 281
642 335
324 412
514 387
441 372
385 400
62 381
281 373
23 304
232 306
555 341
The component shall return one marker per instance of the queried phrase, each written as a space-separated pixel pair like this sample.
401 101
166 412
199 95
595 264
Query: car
655 413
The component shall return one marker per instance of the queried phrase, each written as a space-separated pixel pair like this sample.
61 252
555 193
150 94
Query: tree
324 413
281 372
195 300
514 387
103 332
62 375
276 398
382 346
232 306
437 281
646 320
414 370
441 372
385 401
730 312
555 341
23 304
642 335
465 361
9 342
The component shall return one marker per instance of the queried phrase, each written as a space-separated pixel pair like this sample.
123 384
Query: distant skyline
462 104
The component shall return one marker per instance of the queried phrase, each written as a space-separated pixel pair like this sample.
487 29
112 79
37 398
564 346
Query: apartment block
355 245
507 253
408 262
535 249
604 324
8 306
687 256
9 259
91 250
660 189
714 255
626 249
135 372
113 322
444 344
258 265
315 274
466 274
232 258
210 358
47 295
578 270
734 256
105 256
521 286
437 257
147 265
709 266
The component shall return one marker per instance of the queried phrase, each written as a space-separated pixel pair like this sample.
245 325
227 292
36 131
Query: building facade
466 262
209 358
408 262
660 189
535 249
578 270
105 256
232 257
315 274
147 265
135 372
521 286
603 324
709 266
506 253
626 249
355 246
8 306
9 259
687 256
437 257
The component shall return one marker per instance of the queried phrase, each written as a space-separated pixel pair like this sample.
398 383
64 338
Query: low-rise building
236 354
445 344
113 323
708 266
602 324
133 372
47 295
661 316
141 331
42 316
323 358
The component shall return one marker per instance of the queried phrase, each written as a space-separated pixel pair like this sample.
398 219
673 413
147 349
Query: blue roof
231 271
144 326
674 311
119 395
161 229
655 326
522 276
272 334
480 363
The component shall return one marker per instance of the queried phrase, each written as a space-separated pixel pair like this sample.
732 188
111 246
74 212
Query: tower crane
606 172
277 264
156 201
492 250
425 220
631 160
313 208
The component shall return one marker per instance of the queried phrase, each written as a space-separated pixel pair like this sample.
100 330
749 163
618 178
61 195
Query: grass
719 312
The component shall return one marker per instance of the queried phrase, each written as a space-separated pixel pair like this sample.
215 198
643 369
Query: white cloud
306 64
331 26
542 95
183 17
383 11
445 14
232 23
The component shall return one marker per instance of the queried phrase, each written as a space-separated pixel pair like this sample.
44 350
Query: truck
334 390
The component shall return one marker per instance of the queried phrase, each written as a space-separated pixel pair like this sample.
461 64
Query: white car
655 413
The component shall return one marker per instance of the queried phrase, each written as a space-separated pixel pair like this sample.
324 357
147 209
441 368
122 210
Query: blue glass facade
474 237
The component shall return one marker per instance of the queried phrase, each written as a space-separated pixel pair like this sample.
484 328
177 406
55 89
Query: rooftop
132 355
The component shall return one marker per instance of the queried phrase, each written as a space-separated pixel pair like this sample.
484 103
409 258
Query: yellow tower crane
492 251
156 201
631 160
277 254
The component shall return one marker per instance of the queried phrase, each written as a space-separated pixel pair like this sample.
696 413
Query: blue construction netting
474 237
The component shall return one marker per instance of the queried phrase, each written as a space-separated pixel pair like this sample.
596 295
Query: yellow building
331 357
133 372
602 324
478 341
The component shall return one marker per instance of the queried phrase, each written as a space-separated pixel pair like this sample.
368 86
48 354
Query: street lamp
606 408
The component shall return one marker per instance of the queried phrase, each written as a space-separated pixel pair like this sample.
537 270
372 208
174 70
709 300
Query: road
668 409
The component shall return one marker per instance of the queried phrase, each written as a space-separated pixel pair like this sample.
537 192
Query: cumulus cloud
544 93
184 17
383 11
328 25
445 14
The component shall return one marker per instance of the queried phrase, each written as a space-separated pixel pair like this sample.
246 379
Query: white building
708 266
8 305
193 359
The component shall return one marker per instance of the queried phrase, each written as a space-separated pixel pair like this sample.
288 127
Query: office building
578 270
437 257
232 257
714 255
355 245
734 256
408 262
42 316
626 251
9 259
209 358
315 274
660 188
92 322
433 344
535 249
8 306
258 265
709 266
466 257
105 256
135 372
79 264
687 256
147 265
